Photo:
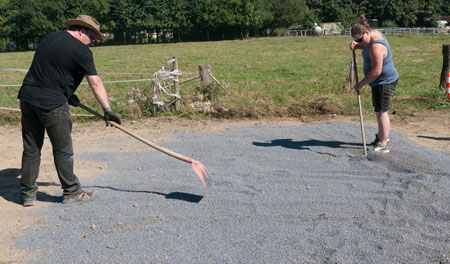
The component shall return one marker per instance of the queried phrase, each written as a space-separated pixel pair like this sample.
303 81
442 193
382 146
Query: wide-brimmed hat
88 22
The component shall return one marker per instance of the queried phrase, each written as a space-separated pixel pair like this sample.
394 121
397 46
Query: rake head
202 173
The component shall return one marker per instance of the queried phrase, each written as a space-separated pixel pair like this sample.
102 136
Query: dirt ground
430 130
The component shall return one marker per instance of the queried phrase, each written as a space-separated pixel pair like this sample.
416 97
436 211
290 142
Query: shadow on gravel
45 197
187 197
304 145
10 187
435 138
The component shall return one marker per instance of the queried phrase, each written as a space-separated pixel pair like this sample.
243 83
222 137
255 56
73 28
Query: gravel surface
290 194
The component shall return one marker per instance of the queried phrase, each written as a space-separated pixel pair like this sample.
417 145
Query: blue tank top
388 73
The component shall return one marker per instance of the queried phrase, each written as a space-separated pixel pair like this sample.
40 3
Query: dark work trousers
58 124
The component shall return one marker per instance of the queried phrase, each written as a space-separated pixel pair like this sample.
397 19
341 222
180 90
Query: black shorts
381 96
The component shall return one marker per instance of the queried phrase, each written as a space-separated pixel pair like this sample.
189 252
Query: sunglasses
361 38
89 34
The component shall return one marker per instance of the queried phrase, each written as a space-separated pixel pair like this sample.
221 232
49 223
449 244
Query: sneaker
79 198
27 202
381 148
376 140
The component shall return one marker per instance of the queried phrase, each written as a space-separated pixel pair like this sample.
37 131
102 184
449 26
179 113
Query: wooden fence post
177 85
203 71
445 65
350 82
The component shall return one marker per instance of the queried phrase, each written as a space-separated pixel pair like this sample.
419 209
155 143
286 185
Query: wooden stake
350 81
177 85
203 71
445 65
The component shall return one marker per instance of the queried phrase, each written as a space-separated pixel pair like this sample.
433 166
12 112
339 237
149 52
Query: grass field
265 77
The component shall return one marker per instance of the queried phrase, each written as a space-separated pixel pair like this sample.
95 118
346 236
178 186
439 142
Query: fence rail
422 30
407 30
300 33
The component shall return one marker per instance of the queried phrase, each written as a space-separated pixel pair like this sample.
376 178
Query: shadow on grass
187 197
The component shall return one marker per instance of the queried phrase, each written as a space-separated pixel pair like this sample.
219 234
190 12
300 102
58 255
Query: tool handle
359 105
355 67
88 109
363 134
151 144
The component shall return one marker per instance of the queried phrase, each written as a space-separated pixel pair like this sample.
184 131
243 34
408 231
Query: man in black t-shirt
61 61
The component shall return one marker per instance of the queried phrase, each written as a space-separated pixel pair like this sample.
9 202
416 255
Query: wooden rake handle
359 105
355 68
151 144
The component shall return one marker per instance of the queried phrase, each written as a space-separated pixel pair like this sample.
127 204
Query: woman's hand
358 87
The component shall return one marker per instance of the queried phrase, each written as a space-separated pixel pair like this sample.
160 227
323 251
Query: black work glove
73 100
111 116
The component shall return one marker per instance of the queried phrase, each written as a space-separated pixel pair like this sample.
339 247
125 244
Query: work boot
80 198
28 201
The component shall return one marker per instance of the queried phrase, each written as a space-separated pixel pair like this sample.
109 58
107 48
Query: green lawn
265 77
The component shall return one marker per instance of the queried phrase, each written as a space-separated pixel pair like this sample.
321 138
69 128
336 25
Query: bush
389 24
280 32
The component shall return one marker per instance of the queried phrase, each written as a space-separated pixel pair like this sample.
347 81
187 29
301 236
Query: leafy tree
29 21
161 11
261 16
182 24
441 7
95 8
120 20
426 15
347 11
288 12
344 11
384 10
408 16
205 18
3 14
231 18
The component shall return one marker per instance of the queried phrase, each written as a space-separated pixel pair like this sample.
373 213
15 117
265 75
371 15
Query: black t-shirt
58 66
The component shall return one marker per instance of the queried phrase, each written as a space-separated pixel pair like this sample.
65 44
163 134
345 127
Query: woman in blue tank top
380 75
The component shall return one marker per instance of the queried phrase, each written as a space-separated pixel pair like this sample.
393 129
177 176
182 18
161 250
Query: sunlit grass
264 76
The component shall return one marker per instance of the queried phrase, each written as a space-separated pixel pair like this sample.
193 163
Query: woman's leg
384 126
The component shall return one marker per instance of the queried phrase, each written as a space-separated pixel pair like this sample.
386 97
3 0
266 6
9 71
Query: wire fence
163 80
386 30
83 83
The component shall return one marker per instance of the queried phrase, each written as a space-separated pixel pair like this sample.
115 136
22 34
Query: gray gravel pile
290 194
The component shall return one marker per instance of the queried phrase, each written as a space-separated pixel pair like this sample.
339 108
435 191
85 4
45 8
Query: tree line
135 21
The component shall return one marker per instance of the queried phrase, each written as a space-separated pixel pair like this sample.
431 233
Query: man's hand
73 100
111 116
